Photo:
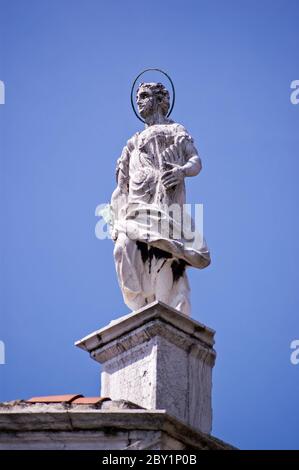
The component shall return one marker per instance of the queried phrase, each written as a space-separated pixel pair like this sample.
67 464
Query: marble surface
158 359
155 237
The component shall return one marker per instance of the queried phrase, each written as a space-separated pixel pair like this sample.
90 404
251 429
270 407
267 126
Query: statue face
145 102
152 97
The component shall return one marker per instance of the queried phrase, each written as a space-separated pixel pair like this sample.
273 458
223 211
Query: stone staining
151 263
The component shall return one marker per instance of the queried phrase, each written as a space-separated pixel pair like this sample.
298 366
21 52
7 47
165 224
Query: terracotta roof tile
54 399
68 399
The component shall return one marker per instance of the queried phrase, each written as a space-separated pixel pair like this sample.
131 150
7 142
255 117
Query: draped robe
154 244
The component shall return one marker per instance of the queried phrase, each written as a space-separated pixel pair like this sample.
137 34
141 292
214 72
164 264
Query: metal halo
134 83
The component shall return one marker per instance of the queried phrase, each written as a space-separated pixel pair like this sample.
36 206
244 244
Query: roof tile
54 399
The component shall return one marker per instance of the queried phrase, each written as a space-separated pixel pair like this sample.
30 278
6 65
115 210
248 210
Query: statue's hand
173 176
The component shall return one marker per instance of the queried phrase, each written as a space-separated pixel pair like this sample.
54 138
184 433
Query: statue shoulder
132 142
122 164
182 134
180 129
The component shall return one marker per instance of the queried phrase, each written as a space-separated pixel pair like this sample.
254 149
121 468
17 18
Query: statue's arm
192 166
122 171
120 194
193 162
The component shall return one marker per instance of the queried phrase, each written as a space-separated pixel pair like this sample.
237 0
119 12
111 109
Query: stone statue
152 250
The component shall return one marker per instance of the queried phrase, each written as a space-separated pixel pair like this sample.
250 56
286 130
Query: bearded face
152 98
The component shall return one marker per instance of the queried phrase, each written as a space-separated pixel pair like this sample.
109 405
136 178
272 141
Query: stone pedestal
158 359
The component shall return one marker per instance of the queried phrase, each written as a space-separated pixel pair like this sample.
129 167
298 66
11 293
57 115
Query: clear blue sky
68 67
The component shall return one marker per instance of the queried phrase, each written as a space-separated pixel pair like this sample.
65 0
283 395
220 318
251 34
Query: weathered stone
155 237
40 426
159 359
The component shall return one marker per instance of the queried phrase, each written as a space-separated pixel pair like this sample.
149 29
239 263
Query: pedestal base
159 359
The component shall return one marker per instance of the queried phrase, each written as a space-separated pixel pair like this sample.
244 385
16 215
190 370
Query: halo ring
133 86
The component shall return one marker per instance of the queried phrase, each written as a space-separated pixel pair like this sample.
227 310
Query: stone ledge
150 330
134 320
34 423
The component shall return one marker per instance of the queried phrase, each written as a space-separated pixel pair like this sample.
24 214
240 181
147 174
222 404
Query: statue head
152 98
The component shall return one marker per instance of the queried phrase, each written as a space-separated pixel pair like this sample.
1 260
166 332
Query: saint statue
153 247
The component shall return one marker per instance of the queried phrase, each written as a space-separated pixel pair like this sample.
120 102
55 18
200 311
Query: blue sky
68 68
